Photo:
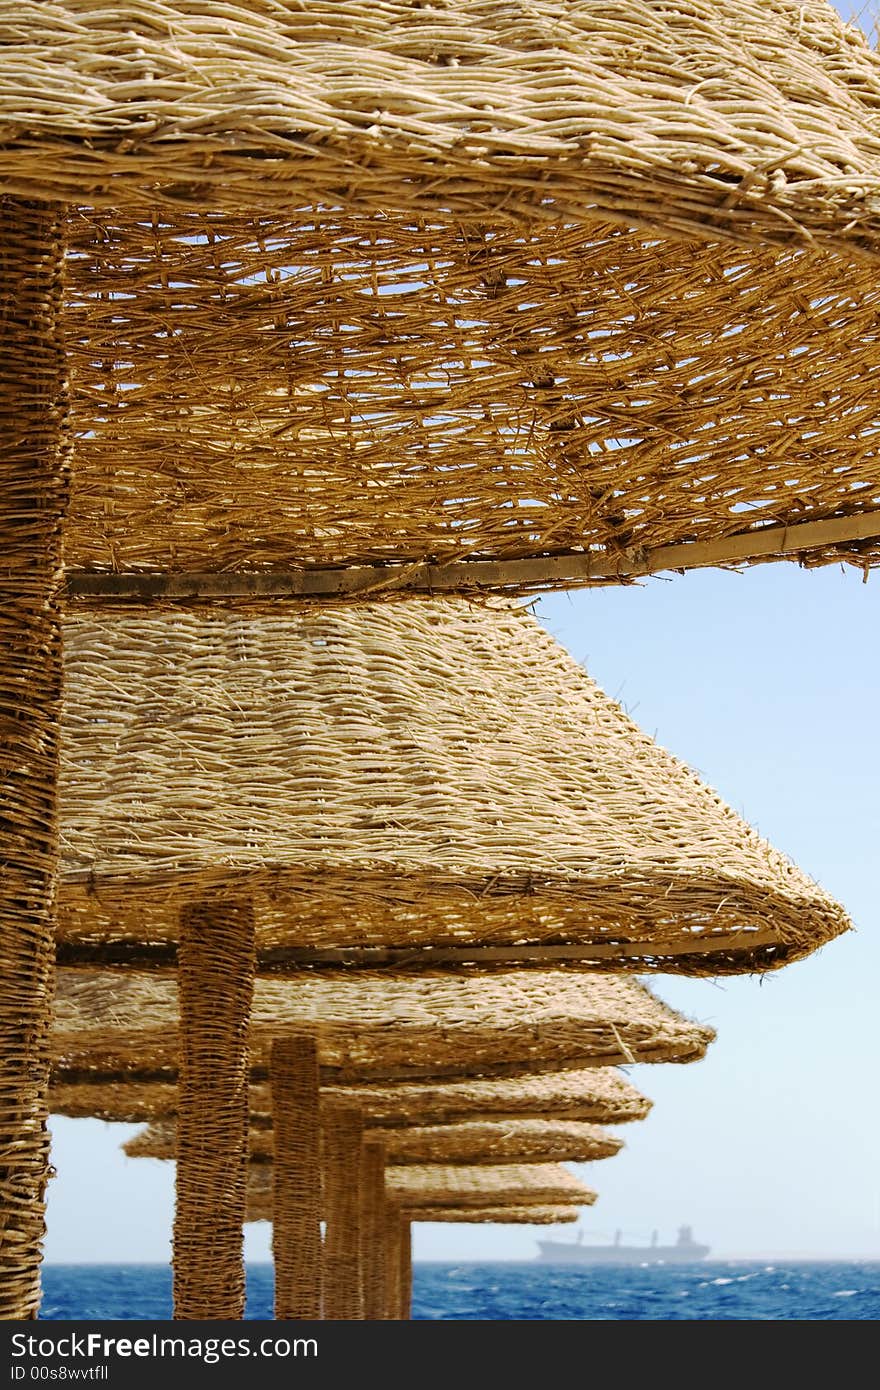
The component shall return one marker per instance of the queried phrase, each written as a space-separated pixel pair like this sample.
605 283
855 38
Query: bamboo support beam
580 568
33 498
343 1141
130 955
296 1222
216 985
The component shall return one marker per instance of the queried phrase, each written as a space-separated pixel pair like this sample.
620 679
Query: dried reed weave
520 1140
411 392
500 1216
374 1278
597 1094
342 1162
259 1208
296 1209
33 492
373 1024
698 118
435 1185
531 1139
405 1277
461 1186
215 988
431 773
397 1236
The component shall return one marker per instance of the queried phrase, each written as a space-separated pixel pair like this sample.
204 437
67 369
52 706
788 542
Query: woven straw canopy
561 285
518 1140
413 1187
500 1216
597 1094
471 408
367 1024
436 1185
401 775
699 116
260 1209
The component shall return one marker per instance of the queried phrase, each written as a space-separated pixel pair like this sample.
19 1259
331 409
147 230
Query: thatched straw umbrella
596 1094
434 825
437 1185
368 1026
537 293
521 1140
506 305
434 1192
601 1095
378 780
359 1179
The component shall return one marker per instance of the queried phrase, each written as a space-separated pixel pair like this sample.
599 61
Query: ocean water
503 1292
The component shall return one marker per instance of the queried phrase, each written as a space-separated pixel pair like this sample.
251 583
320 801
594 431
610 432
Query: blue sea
503 1292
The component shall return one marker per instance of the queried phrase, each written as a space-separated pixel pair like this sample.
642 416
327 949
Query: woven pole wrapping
391 1241
33 495
597 1094
373 1292
296 1222
343 1141
216 974
405 1257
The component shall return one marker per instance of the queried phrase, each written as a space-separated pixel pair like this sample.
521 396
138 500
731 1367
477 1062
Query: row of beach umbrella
327 333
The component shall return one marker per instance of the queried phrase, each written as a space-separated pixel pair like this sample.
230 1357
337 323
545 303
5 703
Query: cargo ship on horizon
684 1251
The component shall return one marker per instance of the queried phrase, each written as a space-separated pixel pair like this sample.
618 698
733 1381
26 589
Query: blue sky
768 683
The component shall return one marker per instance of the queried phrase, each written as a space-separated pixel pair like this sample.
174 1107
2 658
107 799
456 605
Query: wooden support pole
216 975
373 1294
343 1140
33 499
296 1192
405 1268
393 1223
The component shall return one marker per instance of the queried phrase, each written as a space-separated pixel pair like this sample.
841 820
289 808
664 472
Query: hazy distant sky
768 683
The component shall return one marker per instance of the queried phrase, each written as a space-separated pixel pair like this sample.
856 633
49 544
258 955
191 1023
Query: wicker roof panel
519 1140
436 1185
259 1208
697 116
501 1216
411 392
411 774
567 1209
597 1094
367 1023
471 1185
